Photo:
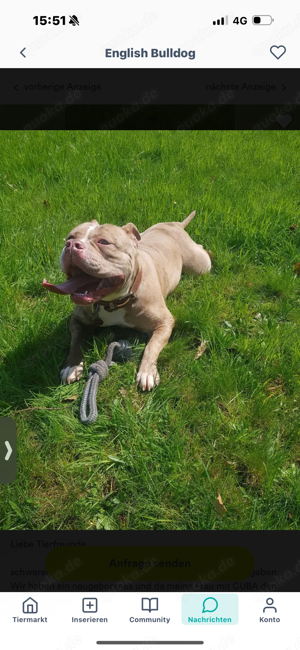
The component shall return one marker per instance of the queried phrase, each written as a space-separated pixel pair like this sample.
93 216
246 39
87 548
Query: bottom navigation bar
153 619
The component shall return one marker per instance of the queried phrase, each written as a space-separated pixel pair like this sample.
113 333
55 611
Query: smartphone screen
149 372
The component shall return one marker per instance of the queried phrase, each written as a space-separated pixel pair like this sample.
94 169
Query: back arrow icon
9 450
24 48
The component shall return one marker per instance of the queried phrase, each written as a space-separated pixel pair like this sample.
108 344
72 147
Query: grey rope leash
120 350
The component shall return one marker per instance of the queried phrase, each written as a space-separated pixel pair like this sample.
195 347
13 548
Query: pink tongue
70 286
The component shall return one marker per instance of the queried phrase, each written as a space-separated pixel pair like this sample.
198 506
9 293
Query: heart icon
278 51
283 120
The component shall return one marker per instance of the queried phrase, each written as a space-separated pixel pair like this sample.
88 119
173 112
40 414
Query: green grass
227 422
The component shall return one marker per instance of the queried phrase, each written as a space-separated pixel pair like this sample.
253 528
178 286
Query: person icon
269 602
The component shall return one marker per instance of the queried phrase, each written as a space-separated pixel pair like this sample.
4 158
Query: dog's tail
186 222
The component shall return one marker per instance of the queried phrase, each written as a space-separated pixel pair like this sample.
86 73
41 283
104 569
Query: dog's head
99 260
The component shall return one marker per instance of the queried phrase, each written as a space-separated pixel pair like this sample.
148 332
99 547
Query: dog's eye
102 241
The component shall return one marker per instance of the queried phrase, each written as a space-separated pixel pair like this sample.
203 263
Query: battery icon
262 20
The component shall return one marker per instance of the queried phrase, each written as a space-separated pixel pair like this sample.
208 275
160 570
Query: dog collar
119 302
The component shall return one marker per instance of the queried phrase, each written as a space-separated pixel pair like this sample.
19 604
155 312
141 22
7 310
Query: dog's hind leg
196 260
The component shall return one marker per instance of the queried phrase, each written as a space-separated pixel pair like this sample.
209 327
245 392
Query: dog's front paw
71 373
147 380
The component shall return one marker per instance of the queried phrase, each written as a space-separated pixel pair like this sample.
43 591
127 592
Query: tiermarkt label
210 609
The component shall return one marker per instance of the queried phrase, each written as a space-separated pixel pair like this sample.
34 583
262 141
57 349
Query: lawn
227 422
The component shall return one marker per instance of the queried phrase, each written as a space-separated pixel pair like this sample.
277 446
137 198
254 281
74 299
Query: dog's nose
74 243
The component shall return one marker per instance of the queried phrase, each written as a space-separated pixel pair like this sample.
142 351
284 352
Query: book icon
150 604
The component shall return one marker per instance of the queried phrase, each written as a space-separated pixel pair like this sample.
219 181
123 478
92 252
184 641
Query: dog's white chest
111 317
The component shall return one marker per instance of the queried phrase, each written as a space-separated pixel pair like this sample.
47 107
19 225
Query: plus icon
89 605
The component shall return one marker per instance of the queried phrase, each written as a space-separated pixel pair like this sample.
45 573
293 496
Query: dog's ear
94 222
132 232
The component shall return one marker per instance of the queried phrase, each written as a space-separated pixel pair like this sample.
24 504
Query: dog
117 276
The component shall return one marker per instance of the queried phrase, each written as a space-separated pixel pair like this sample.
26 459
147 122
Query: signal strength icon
221 21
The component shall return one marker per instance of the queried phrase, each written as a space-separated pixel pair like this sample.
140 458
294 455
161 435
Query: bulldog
118 276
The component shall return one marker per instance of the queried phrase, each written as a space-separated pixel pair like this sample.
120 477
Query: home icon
30 606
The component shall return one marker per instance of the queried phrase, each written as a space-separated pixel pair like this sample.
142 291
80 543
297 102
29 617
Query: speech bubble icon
209 605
